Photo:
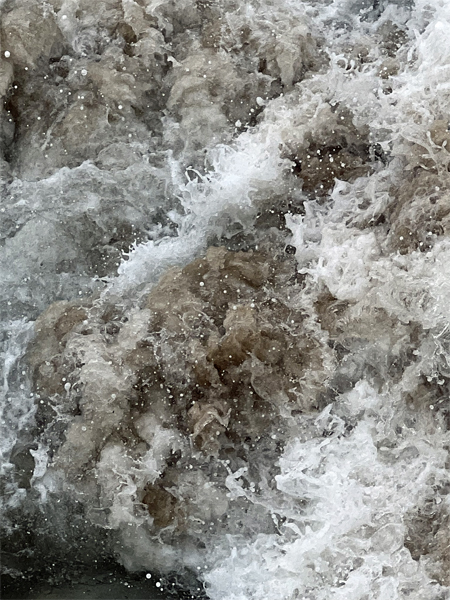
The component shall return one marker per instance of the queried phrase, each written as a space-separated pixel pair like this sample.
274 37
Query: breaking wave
224 284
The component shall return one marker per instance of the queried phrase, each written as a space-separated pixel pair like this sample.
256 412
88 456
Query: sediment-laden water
224 297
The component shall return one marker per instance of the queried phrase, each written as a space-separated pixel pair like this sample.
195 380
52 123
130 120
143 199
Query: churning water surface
224 298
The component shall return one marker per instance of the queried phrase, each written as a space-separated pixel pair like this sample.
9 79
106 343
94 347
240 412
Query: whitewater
224 299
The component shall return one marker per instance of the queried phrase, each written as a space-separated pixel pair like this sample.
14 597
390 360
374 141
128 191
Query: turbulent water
224 297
